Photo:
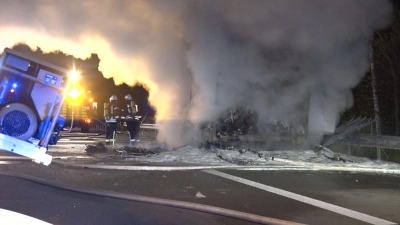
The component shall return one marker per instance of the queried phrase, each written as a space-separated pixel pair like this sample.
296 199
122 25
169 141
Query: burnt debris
237 121
96 148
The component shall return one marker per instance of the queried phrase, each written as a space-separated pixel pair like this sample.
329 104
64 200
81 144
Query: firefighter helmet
113 98
128 97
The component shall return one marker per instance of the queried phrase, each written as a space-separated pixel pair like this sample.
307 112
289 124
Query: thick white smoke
201 57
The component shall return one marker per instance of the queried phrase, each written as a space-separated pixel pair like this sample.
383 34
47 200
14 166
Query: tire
18 120
84 128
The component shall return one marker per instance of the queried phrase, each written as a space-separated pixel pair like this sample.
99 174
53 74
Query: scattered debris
234 160
194 156
183 146
128 151
326 152
97 148
243 150
199 195
210 146
132 149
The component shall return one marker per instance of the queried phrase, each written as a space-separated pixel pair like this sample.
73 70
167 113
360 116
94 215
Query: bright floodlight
74 75
74 93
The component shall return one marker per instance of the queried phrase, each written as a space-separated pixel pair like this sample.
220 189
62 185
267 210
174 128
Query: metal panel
37 153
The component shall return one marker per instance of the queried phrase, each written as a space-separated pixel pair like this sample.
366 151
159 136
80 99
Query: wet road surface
360 196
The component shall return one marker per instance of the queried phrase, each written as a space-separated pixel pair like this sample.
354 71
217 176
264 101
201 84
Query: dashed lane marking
70 141
7 162
334 208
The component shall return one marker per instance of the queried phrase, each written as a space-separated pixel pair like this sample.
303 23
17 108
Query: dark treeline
92 79
386 59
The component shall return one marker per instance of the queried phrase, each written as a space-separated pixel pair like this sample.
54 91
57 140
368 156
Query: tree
387 61
375 96
375 91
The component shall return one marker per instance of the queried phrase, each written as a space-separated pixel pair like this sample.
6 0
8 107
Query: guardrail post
378 154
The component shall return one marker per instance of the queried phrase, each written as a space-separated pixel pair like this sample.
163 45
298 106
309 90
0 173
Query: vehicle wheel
18 120
85 126
84 129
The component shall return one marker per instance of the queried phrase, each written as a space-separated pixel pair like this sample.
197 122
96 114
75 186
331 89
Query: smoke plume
200 57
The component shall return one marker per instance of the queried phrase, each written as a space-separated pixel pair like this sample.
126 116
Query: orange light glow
74 93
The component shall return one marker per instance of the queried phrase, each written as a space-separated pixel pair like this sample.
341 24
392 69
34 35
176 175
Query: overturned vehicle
241 125
317 126
31 98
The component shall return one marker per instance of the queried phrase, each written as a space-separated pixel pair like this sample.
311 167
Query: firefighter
132 120
111 114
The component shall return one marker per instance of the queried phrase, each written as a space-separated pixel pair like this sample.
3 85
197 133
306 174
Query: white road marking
8 217
72 156
75 141
334 208
329 168
7 162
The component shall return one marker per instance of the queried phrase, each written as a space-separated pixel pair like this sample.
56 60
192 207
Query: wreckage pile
243 125
237 121
101 147
245 121
133 150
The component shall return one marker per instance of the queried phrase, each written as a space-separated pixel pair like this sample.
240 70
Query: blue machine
32 93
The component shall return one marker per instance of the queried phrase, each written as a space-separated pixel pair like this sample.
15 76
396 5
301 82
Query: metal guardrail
390 142
145 128
149 129
149 126
98 125
346 129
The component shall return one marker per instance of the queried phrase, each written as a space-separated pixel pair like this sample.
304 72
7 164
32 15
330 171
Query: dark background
92 79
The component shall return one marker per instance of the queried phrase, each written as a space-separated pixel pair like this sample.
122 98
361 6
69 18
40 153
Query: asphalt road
310 197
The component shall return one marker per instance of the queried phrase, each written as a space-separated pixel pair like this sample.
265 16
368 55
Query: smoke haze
199 58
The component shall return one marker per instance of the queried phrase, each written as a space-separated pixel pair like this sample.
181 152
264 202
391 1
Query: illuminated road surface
310 197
